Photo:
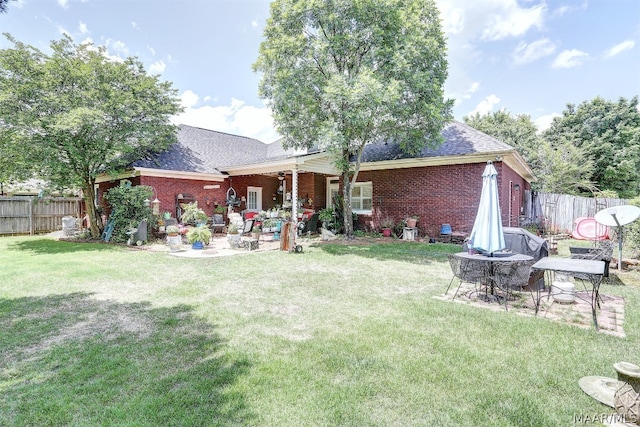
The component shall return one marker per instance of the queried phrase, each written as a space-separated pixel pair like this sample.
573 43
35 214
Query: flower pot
197 245
234 240
174 242
386 232
412 222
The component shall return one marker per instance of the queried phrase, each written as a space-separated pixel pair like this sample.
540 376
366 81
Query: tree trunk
94 221
346 205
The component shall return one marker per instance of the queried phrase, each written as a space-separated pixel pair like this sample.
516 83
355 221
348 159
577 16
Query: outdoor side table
409 233
591 271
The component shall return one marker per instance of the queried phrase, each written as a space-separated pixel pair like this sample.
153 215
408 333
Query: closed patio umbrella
487 234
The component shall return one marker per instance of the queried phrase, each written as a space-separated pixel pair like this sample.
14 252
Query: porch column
294 198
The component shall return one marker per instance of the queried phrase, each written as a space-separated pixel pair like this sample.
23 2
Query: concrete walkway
218 247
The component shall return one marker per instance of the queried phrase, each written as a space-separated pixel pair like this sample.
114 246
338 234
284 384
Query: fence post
31 214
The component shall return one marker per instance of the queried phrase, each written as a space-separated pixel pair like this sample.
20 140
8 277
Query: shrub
128 209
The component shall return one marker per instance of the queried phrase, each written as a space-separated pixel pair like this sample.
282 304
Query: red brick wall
168 188
438 195
511 187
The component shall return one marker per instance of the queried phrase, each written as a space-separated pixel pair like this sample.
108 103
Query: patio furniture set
496 278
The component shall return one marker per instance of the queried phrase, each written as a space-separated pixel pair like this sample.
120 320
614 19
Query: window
254 198
361 196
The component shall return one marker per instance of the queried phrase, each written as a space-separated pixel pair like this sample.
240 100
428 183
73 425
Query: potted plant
255 232
386 226
268 224
192 214
412 221
233 236
326 217
199 236
174 239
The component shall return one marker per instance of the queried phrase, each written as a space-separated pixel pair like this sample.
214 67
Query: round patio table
473 264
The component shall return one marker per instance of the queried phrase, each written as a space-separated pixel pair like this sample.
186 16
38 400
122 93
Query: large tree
518 131
341 74
608 133
72 114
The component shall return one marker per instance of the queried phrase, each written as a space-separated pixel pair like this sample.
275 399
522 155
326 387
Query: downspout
510 201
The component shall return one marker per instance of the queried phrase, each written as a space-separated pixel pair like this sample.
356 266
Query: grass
342 334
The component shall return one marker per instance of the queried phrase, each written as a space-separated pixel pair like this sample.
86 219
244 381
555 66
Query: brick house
441 186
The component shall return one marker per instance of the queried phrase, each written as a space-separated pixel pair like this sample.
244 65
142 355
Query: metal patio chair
514 277
467 271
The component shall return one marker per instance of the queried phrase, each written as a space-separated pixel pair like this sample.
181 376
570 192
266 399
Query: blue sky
526 56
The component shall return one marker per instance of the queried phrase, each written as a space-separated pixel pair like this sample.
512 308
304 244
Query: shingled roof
209 151
459 140
206 151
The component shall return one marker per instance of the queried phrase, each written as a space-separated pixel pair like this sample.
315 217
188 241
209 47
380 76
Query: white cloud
544 122
568 8
63 3
118 46
569 59
513 21
472 29
530 52
255 23
188 99
157 67
486 105
489 19
237 118
135 25
152 50
619 48
82 27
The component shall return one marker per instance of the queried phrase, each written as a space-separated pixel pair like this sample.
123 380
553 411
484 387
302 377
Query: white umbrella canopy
487 234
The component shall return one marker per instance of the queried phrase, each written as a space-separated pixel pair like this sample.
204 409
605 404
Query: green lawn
94 334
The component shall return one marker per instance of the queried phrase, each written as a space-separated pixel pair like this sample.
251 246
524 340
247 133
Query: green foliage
387 223
70 115
200 233
563 169
3 5
632 231
606 133
326 215
172 229
518 131
128 209
343 74
192 214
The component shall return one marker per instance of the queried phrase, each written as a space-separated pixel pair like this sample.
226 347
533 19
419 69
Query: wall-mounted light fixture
516 187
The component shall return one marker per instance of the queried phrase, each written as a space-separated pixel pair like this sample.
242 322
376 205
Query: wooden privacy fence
559 211
33 215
